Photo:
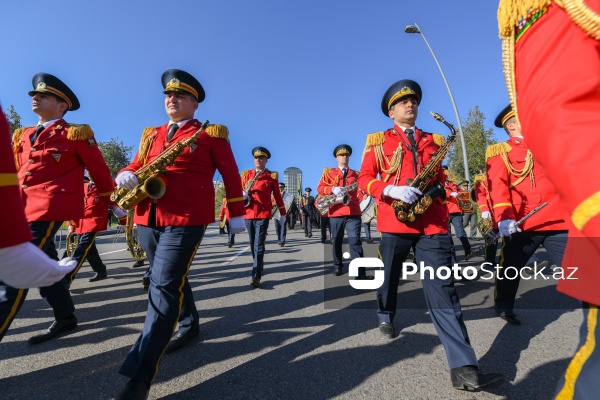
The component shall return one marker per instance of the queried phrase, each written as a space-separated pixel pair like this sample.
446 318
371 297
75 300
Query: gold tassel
583 16
218 131
375 139
479 178
497 149
145 143
510 12
79 132
439 139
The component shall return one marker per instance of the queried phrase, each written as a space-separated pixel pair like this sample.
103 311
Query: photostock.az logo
366 262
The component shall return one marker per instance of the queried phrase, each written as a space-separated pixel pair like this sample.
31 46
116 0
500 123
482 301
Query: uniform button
28 173
62 190
24 186
31 161
33 149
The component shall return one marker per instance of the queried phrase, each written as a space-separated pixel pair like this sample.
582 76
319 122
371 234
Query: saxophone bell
155 187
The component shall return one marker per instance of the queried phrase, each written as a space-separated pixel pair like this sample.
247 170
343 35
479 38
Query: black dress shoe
339 271
134 390
310 235
282 244
387 329
98 277
364 278
323 241
146 283
469 378
254 283
57 327
509 316
180 339
370 241
229 244
137 264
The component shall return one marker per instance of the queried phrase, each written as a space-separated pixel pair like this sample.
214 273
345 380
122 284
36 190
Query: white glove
237 224
245 195
337 191
118 212
486 214
282 220
454 194
407 194
127 180
26 266
507 227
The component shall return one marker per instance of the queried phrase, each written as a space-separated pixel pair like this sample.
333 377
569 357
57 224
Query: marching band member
171 227
481 196
455 212
343 216
51 158
259 184
280 228
517 185
224 213
307 209
396 155
551 53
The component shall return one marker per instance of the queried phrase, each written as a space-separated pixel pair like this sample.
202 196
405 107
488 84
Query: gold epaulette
326 171
479 178
438 139
275 175
17 135
217 131
245 174
79 132
497 149
511 12
145 142
374 139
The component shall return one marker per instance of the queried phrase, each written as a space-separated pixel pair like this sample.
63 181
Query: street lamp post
415 29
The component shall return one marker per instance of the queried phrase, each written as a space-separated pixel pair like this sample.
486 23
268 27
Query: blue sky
298 77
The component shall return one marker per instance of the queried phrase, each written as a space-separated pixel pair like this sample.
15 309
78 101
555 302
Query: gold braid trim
244 176
586 210
145 143
479 178
583 16
327 179
218 131
394 163
508 65
79 132
496 149
511 11
521 174
439 139
16 139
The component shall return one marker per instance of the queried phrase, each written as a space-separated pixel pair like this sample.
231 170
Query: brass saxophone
71 243
323 203
249 187
132 239
408 212
149 184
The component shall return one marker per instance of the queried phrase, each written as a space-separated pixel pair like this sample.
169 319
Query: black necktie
172 129
39 129
344 174
410 134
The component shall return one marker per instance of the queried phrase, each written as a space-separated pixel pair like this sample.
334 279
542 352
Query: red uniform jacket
95 218
334 177
224 211
515 202
266 185
482 197
189 199
386 144
14 229
51 170
452 202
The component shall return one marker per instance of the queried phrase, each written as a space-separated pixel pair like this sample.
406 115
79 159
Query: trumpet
325 202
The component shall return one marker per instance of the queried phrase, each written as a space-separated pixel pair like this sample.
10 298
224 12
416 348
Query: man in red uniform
343 214
50 160
481 196
171 227
95 219
259 185
552 59
224 213
456 214
390 158
516 186
280 228
23 264
307 209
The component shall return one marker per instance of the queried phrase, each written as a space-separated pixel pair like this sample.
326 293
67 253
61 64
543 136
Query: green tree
14 119
477 139
116 154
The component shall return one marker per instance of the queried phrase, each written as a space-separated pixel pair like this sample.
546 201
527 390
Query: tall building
292 177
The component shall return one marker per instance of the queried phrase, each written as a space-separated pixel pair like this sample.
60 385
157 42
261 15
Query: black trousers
57 295
86 250
515 252
440 294
170 251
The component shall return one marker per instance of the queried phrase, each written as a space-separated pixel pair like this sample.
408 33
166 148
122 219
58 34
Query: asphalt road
304 334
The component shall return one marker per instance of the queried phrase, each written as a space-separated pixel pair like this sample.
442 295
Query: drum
367 207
